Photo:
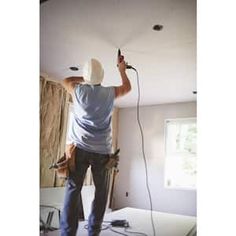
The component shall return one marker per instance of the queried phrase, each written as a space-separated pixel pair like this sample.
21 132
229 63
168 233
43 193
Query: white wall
131 177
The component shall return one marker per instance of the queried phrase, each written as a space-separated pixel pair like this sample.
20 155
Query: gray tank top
90 127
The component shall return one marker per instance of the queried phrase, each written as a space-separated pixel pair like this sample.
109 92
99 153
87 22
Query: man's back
91 118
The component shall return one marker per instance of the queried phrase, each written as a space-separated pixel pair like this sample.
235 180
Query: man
90 134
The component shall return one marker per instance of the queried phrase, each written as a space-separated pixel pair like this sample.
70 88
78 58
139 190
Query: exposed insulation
53 119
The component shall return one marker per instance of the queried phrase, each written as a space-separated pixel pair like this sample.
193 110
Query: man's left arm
70 83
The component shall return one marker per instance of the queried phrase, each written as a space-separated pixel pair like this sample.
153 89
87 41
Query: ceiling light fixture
74 68
157 27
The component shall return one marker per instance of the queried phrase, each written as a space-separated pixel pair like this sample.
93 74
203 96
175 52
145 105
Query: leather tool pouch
62 167
113 161
66 164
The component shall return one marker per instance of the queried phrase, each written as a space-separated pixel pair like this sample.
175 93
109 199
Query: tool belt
66 163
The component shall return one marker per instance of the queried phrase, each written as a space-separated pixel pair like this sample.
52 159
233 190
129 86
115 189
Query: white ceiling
72 31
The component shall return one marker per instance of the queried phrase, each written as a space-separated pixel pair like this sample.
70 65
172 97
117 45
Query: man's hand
126 86
122 66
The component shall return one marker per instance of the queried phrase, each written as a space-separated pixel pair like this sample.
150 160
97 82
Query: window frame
165 161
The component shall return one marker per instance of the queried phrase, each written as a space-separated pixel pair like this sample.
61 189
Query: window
180 146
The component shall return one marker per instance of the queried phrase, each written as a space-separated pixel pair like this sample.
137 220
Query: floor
140 221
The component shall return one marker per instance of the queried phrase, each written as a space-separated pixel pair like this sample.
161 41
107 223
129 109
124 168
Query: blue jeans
70 216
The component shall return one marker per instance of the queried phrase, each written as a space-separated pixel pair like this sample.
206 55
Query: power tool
120 58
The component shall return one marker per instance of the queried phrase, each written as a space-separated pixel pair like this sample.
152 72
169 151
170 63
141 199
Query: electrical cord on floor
117 231
109 226
133 232
104 227
143 152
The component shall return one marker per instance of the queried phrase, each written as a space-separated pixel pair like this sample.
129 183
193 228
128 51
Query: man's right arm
126 86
